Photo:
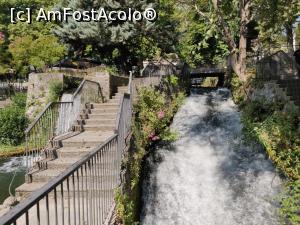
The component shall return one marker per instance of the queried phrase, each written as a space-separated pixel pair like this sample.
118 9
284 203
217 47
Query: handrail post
130 82
27 157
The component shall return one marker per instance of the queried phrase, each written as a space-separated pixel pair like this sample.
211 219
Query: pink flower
151 136
161 114
155 138
2 36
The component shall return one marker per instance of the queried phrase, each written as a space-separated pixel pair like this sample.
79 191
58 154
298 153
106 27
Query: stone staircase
292 89
96 124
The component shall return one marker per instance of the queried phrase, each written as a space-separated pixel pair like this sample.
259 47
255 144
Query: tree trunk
237 57
242 60
245 19
289 37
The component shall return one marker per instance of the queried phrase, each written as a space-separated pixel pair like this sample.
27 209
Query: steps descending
97 123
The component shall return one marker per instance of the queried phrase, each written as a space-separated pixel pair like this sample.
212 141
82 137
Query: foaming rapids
13 164
210 175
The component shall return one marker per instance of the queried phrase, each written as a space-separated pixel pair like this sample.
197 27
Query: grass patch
9 151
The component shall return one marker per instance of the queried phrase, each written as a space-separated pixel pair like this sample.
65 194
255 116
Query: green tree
230 21
198 43
277 18
27 44
123 43
4 54
40 53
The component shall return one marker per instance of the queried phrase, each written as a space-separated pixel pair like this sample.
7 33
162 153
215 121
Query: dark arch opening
199 75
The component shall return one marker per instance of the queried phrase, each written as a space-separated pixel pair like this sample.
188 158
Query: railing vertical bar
110 172
78 196
90 193
62 203
82 195
74 197
69 207
106 178
98 194
93 190
55 206
27 218
96 189
101 184
38 213
47 209
27 152
103 181
87 193
51 121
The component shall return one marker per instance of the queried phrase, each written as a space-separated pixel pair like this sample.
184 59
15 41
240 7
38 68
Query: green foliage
27 44
4 54
125 208
113 70
278 131
210 82
260 109
154 112
41 52
13 123
274 16
10 150
152 115
198 43
19 100
123 43
290 204
55 90
237 89
70 84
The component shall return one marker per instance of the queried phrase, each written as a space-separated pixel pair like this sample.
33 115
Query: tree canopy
121 42
199 31
237 22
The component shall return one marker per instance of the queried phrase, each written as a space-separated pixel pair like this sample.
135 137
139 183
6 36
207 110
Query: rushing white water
13 164
11 170
210 176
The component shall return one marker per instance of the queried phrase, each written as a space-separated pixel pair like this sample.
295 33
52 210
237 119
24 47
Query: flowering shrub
2 37
154 111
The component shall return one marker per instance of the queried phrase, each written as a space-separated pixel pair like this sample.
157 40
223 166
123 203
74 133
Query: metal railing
84 193
125 116
57 119
39 134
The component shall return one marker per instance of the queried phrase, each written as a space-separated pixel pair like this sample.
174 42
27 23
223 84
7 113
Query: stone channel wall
273 93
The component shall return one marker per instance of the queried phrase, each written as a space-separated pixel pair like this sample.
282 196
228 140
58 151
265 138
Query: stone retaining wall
38 86
38 91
